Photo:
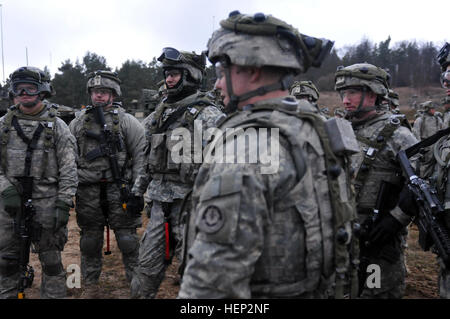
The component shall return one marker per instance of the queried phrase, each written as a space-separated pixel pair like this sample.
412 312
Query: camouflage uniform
165 183
424 126
446 115
380 138
442 156
97 187
53 169
306 90
251 234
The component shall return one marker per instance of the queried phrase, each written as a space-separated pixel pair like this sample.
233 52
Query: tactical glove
11 200
61 214
384 230
135 205
407 202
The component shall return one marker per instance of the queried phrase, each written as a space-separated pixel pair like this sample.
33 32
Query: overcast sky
52 31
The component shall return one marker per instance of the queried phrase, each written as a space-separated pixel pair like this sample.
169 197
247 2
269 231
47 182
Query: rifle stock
23 230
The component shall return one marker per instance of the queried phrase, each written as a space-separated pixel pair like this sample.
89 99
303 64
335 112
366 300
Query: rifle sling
31 145
413 150
174 116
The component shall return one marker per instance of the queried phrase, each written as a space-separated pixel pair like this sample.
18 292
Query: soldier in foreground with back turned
37 182
363 87
259 228
425 125
110 155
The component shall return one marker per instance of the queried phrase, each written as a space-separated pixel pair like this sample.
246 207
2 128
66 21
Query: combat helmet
393 98
33 75
363 76
305 89
427 106
191 64
264 41
102 79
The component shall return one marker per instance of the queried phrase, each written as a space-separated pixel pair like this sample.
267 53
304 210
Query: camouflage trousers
444 281
392 267
46 242
92 221
153 258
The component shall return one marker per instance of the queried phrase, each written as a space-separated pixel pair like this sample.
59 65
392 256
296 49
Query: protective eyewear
170 54
29 89
445 79
349 93
171 73
101 91
220 70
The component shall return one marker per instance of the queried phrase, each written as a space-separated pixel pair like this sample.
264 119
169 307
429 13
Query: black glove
384 229
135 205
61 214
407 202
11 200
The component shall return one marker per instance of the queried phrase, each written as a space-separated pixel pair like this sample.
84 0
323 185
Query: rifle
430 217
110 145
23 229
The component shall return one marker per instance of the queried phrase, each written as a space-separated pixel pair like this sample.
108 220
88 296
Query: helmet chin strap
30 105
232 106
360 111
103 104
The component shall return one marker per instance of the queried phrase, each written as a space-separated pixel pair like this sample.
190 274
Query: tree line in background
410 64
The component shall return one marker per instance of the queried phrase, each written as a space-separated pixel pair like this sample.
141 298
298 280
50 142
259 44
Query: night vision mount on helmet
264 41
443 56
104 80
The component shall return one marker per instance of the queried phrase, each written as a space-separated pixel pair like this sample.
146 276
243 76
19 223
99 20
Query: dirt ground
421 281
112 282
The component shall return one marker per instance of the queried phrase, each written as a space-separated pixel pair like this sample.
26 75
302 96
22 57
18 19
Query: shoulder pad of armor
438 114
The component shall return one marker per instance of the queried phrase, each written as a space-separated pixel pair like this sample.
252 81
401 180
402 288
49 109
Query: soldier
260 233
393 102
306 90
363 87
425 125
171 182
110 155
38 164
441 151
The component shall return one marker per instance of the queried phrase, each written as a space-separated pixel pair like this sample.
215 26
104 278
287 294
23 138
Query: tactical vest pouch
342 137
157 157
172 153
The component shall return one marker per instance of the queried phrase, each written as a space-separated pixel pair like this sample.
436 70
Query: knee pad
127 240
9 265
91 243
51 263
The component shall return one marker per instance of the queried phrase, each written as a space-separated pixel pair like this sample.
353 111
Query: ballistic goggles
170 54
28 88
